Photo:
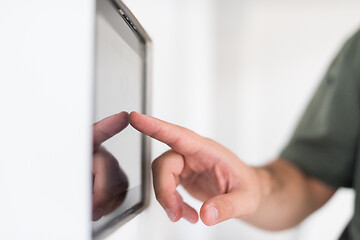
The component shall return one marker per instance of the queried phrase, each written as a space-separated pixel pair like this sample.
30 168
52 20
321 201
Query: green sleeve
325 142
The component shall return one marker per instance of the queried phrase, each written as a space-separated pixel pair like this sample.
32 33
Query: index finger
108 127
180 139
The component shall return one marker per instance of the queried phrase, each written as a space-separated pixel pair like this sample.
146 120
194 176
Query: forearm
288 196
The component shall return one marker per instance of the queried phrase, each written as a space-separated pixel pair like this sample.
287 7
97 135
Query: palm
203 183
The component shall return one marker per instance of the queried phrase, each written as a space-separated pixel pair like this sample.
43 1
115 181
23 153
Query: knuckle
252 204
159 162
160 198
225 208
154 164
229 206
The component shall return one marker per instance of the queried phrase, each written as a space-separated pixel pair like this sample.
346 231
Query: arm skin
288 196
275 197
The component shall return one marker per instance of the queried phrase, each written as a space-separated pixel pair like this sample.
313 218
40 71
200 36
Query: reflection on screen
119 88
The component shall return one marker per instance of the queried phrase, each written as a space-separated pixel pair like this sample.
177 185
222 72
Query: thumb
222 207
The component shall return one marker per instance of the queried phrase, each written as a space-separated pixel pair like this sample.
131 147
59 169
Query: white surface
45 86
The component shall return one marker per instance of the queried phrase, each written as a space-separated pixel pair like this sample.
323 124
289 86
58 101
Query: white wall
46 71
281 51
241 72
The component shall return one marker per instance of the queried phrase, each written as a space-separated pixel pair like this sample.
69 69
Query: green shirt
326 142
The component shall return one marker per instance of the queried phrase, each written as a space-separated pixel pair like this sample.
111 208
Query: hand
110 182
206 169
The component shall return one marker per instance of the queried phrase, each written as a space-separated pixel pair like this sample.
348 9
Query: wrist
265 179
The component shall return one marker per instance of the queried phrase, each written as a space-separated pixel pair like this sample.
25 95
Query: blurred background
240 72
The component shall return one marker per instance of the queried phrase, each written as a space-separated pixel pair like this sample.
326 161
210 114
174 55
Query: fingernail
213 215
192 220
170 214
